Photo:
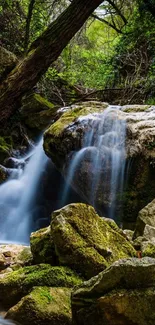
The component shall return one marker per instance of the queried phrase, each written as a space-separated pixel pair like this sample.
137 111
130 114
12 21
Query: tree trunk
43 52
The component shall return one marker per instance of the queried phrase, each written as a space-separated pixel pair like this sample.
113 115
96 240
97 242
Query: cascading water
16 198
104 143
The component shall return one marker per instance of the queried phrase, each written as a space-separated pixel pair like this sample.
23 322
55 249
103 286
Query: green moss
25 256
86 242
37 112
18 283
42 246
71 115
43 306
149 250
5 148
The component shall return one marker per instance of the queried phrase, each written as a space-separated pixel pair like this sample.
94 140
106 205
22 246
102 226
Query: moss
5 148
25 256
18 283
43 306
149 250
42 246
136 108
37 112
86 242
71 115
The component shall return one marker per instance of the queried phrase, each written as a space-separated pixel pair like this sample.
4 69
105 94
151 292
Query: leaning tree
43 51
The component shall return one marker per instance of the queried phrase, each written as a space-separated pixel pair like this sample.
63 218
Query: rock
60 135
65 138
86 242
15 256
3 174
5 148
148 248
42 246
123 294
37 112
7 62
129 234
43 306
16 284
146 218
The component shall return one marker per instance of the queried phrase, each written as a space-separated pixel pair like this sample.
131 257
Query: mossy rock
86 242
135 108
5 148
15 285
7 62
43 306
54 135
148 249
123 294
42 246
37 112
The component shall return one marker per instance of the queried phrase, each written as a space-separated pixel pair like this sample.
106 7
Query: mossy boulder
60 135
42 246
7 62
43 306
37 112
86 242
145 224
123 294
15 285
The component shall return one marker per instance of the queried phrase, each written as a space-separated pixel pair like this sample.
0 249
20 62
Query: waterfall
104 143
17 197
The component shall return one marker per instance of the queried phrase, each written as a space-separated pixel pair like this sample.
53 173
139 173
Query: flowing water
6 322
17 196
105 142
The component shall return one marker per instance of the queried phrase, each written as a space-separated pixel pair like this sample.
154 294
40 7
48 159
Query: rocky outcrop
67 135
86 242
43 306
123 294
15 285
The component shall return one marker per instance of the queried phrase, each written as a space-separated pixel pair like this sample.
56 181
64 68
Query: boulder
145 224
43 306
37 112
7 62
16 284
86 242
123 294
65 138
42 246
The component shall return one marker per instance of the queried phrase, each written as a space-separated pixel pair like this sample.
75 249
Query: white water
16 198
6 322
106 144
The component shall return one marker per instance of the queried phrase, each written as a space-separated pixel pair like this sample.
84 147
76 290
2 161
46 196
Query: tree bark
43 52
28 22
